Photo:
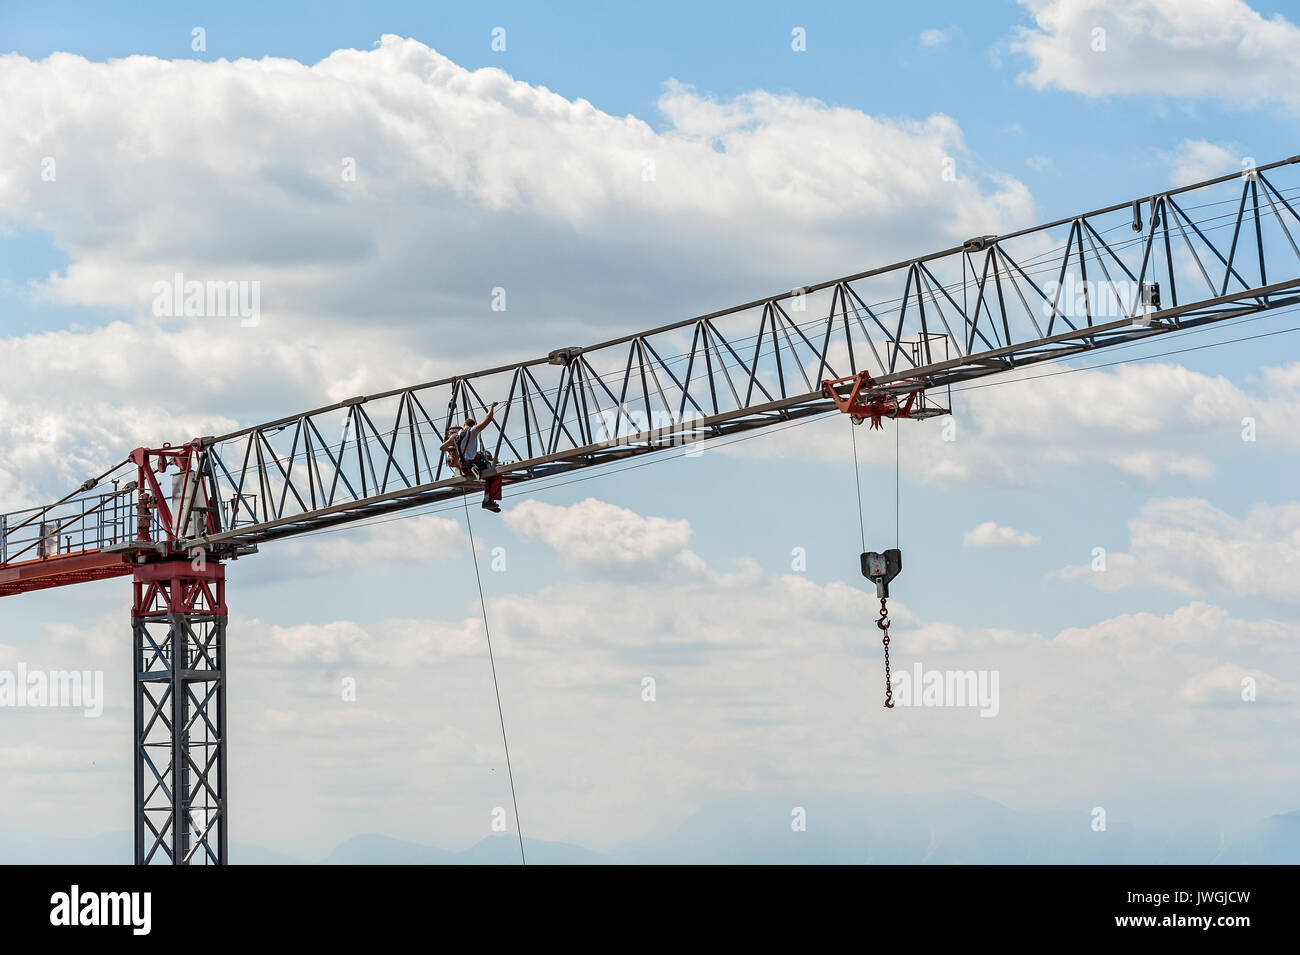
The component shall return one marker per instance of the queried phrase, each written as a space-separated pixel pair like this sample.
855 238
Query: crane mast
884 343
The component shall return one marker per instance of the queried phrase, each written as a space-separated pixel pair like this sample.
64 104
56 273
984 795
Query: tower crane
884 343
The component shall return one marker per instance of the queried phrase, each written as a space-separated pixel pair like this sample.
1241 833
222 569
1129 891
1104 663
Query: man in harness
466 456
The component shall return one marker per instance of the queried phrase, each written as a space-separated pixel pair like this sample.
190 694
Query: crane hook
880 569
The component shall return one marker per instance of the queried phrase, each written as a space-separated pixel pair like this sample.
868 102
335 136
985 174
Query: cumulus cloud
1142 422
763 682
991 534
459 175
1108 571
76 401
1229 684
593 533
467 182
1199 625
1197 159
387 643
1220 49
1192 547
420 539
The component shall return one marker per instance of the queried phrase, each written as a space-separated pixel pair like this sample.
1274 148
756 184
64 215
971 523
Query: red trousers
492 486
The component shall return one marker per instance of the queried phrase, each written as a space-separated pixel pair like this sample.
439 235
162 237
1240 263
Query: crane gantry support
871 345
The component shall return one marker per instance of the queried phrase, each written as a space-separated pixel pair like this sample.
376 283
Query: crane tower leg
178 624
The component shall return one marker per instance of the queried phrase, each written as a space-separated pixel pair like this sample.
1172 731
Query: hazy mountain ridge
891 831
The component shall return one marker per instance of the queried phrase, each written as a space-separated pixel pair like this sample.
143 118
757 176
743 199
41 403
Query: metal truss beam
178 627
1202 254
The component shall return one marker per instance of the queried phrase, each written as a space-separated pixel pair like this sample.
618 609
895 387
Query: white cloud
1197 159
1150 466
765 682
1150 422
1117 571
935 36
420 539
1192 547
1197 626
1220 49
388 643
1228 684
595 534
990 534
255 155
76 401
466 181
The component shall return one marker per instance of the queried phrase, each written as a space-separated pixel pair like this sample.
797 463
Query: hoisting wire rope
857 481
496 686
882 621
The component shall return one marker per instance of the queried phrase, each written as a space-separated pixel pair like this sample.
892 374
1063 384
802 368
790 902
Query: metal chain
883 624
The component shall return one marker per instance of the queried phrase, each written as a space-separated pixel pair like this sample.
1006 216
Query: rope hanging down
496 686
857 481
883 621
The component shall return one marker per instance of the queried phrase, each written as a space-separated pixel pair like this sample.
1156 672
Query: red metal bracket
862 402
149 463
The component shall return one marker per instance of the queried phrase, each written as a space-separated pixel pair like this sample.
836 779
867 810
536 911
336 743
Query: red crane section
79 567
64 543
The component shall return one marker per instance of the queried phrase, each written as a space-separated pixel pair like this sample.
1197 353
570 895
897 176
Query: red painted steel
179 586
863 403
75 568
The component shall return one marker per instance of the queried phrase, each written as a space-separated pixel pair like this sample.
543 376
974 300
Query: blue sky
474 186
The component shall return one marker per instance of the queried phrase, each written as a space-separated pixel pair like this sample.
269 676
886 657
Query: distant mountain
256 855
901 830
493 850
26 848
110 848
904 830
909 830
381 850
1271 841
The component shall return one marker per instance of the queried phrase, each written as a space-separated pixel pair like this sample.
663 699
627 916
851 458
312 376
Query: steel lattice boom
994 304
1203 253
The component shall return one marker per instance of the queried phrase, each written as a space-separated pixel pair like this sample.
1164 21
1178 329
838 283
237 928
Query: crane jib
879 343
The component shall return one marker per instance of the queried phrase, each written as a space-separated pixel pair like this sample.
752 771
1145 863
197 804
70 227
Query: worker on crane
465 455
